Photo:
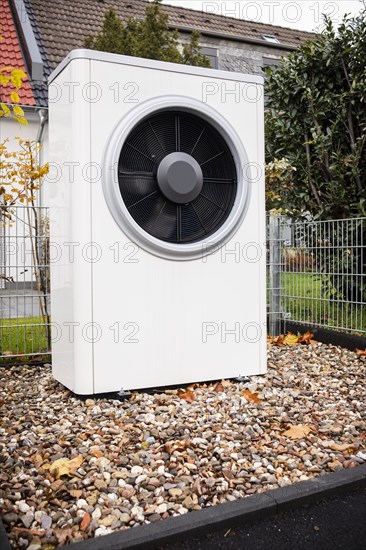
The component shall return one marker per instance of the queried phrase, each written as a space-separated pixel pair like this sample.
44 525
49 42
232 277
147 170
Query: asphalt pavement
338 523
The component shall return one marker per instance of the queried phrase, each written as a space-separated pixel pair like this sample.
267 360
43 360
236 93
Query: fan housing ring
120 207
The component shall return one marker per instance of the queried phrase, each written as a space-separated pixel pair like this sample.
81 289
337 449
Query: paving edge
258 506
327 336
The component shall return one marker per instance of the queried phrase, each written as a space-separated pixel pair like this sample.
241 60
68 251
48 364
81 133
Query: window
270 38
212 55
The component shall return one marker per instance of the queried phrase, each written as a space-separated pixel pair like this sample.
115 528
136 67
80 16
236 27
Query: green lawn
23 336
304 301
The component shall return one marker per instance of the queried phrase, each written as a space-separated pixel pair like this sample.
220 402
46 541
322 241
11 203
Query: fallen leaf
85 521
361 352
31 532
306 338
219 388
63 534
341 446
64 466
228 475
297 432
180 445
95 451
56 485
251 396
35 359
290 339
76 493
192 387
37 460
277 341
197 487
187 396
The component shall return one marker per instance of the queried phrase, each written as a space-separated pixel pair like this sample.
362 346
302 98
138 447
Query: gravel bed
161 455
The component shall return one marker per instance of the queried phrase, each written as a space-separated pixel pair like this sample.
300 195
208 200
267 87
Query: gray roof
62 25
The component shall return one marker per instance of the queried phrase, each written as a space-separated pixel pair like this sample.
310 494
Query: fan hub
180 178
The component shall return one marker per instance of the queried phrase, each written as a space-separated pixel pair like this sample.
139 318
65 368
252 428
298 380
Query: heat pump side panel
69 189
261 221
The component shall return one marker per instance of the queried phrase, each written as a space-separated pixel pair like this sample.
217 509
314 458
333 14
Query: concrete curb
228 514
327 336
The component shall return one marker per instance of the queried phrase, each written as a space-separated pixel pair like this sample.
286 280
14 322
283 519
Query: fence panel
24 284
323 273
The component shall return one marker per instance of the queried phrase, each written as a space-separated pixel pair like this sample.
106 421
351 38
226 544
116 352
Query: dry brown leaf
64 466
306 338
361 352
31 532
251 396
56 485
63 534
341 446
37 460
197 487
291 339
178 445
76 493
192 387
187 396
85 521
228 474
95 451
276 340
218 388
297 432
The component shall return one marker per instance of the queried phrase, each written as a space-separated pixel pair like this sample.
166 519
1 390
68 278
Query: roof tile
82 17
11 55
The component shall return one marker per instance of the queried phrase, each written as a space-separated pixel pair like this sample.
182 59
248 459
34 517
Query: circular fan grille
151 141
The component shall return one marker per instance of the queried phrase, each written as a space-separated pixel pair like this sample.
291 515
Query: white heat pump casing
126 315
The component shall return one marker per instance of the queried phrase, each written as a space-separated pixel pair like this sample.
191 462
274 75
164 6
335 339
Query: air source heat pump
157 223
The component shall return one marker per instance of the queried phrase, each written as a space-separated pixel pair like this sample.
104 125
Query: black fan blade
149 142
212 158
191 227
219 181
136 187
177 133
157 216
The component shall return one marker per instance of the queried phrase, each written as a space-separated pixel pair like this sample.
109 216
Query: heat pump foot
123 394
242 379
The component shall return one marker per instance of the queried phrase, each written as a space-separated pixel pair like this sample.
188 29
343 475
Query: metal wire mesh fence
316 274
24 284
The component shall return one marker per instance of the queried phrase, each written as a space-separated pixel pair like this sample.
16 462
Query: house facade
38 34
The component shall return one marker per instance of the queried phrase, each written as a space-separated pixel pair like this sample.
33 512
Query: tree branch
312 185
